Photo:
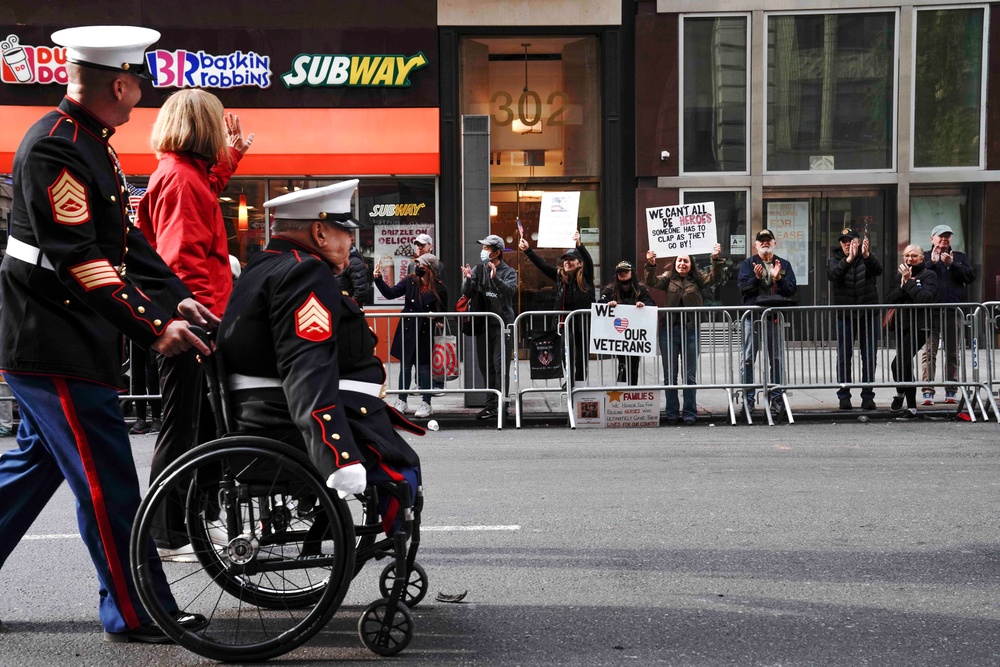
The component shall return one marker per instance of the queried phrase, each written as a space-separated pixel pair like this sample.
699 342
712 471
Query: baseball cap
493 241
623 266
120 48
765 234
848 235
330 203
423 239
942 229
572 253
429 260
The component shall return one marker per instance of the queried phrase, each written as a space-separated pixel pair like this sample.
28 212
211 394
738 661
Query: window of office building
732 232
715 94
831 84
948 88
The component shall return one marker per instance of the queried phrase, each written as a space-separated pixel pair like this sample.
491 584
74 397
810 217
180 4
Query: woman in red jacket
198 146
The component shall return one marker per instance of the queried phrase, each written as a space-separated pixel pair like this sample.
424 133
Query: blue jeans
406 365
751 345
679 347
864 326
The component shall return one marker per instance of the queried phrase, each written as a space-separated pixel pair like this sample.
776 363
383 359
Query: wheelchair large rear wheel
275 550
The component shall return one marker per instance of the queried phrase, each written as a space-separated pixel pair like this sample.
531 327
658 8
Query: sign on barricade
622 330
617 409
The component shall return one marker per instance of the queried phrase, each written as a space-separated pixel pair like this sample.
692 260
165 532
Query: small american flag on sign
621 324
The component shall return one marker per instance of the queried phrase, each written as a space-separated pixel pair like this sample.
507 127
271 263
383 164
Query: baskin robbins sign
24 64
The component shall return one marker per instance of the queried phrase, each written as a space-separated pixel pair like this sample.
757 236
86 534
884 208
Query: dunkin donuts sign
171 69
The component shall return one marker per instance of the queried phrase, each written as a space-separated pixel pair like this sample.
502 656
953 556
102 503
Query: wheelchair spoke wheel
274 551
383 635
416 584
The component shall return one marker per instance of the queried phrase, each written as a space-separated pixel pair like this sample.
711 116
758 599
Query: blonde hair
915 247
191 120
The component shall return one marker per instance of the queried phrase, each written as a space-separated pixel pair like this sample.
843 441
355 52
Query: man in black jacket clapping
853 271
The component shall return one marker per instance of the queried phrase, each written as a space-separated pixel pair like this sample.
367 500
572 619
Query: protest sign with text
557 219
687 229
624 330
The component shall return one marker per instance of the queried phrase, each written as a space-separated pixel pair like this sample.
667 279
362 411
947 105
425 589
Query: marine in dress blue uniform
65 304
299 354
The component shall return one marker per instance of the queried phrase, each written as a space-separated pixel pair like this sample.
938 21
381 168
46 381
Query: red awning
287 142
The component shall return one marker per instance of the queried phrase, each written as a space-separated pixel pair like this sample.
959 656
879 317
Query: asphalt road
813 544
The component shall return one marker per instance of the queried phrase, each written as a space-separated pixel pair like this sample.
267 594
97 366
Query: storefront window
942 207
947 88
542 95
830 91
715 94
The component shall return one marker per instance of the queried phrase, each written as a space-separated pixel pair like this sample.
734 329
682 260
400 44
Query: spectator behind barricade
574 291
953 273
678 337
412 342
145 381
626 290
65 309
764 280
354 279
423 244
490 287
199 146
853 272
313 381
914 283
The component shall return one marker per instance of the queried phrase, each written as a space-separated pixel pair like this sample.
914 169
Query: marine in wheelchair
297 396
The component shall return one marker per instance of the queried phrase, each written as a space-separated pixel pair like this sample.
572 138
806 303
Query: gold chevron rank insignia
312 320
68 197
95 274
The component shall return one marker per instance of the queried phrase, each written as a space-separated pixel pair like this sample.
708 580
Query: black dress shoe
487 413
907 415
150 633
845 404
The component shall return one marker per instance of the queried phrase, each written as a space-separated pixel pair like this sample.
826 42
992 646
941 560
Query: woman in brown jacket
678 335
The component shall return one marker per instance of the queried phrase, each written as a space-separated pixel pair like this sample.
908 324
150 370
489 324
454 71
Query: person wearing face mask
626 290
412 343
574 291
683 284
491 286
764 280
916 284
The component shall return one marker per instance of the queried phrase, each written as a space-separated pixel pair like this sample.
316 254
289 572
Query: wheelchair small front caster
382 636
416 585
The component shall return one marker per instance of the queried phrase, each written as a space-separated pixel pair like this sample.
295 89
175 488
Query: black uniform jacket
289 321
69 201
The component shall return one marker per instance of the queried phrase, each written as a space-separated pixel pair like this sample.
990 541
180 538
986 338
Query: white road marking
436 529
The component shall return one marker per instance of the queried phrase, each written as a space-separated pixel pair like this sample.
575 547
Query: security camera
664 155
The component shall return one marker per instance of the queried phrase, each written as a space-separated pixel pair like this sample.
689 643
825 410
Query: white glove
349 480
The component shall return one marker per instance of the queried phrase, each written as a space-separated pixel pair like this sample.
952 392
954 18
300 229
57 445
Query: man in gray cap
491 285
65 308
953 273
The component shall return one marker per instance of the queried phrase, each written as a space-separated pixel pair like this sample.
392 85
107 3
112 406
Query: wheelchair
276 549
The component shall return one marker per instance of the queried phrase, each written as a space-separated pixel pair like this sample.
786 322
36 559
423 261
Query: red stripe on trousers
100 509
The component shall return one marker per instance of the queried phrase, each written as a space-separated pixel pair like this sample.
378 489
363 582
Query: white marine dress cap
121 48
330 203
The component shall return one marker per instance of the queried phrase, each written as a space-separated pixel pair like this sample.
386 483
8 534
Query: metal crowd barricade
988 315
857 347
385 325
707 342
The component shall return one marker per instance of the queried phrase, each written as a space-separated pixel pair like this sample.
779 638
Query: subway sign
352 71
